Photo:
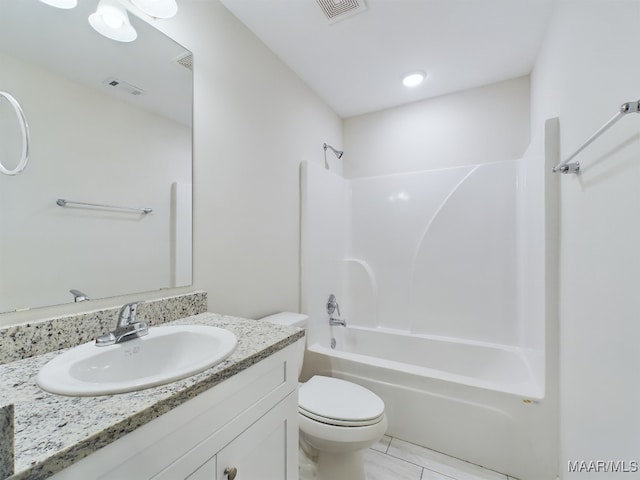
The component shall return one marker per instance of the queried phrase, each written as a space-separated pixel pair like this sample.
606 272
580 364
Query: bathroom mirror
110 124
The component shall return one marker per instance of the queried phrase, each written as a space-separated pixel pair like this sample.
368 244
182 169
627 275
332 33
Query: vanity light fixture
111 20
157 8
66 4
413 79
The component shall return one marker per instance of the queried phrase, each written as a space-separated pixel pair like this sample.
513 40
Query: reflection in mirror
110 124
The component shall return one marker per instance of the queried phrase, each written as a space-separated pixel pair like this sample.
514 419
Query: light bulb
111 20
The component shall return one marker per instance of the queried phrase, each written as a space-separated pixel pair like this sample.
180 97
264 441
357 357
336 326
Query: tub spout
337 322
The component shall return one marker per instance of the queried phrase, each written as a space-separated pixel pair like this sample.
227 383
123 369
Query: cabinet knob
231 472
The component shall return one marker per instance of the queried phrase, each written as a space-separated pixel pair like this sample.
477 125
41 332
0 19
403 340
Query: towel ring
24 158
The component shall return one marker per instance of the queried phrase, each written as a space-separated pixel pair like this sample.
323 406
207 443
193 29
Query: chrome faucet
78 296
337 322
332 306
127 327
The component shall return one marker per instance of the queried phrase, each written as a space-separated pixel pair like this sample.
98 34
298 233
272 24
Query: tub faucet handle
332 305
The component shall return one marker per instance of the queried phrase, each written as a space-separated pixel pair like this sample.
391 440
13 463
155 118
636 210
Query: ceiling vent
336 10
123 86
186 61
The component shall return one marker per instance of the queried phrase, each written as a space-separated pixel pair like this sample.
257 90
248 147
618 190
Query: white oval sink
166 354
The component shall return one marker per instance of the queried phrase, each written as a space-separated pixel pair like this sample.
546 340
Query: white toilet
338 420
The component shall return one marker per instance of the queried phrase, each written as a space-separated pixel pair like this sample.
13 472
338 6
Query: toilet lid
339 402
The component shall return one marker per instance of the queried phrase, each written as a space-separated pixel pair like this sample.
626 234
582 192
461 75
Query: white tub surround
53 432
447 280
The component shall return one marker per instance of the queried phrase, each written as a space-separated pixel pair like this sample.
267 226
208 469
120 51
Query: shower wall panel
325 229
435 252
432 252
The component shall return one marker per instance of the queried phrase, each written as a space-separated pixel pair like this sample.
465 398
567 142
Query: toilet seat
339 423
340 403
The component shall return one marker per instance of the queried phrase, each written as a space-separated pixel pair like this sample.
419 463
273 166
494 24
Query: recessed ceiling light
61 3
413 79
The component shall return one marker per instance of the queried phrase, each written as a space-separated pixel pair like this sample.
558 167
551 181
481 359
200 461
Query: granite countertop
53 431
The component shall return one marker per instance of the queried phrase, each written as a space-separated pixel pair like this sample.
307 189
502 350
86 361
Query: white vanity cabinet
247 423
258 453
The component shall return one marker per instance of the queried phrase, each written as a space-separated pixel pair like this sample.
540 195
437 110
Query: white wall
587 67
482 125
255 121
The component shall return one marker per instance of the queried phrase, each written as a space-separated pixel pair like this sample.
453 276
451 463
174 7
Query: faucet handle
127 314
332 305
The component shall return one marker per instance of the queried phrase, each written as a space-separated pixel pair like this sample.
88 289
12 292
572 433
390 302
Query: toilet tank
290 319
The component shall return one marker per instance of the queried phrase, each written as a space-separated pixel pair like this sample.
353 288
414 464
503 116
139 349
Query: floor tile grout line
439 473
441 453
429 470
423 468
409 462
404 461
418 465
386 450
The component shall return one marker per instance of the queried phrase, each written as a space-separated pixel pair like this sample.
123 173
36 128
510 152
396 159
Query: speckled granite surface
24 341
52 432
6 441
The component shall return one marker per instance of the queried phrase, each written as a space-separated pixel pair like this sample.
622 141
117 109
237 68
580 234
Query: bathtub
477 401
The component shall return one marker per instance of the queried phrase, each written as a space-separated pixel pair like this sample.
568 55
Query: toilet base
316 465
341 466
307 465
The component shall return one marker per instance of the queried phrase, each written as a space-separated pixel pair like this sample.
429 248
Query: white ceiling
356 64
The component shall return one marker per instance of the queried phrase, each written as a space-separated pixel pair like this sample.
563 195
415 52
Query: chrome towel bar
67 203
574 167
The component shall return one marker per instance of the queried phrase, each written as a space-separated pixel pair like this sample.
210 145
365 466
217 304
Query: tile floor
394 459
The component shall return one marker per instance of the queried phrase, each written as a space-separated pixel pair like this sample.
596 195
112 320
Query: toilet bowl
338 420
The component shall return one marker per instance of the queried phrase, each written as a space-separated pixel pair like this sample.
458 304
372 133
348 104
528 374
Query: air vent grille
186 61
336 10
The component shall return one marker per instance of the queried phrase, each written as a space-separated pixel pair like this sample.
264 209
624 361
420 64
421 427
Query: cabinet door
205 472
267 450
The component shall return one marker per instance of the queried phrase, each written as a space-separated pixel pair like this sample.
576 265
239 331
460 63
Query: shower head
338 153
